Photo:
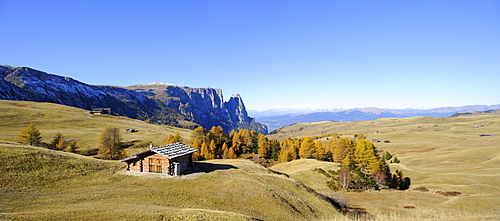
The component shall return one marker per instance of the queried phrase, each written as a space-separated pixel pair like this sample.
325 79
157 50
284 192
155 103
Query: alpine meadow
250 110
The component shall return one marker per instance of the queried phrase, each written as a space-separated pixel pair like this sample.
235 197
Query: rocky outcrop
205 106
159 102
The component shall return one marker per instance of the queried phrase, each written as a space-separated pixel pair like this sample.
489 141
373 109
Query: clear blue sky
275 54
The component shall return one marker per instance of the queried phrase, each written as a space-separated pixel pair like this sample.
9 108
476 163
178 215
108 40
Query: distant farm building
173 159
100 111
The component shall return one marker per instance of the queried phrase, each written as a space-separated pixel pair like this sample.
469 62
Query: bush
90 152
450 193
423 189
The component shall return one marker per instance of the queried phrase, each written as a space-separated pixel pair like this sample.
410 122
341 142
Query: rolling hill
42 184
75 123
441 154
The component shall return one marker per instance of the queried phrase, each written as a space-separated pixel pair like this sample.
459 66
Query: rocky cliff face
161 103
205 106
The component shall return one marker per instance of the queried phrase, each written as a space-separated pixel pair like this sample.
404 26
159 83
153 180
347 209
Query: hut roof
169 151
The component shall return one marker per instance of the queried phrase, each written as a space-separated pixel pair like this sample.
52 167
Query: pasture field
42 184
78 124
440 154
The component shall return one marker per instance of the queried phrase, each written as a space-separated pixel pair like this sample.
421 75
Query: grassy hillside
441 154
42 184
75 123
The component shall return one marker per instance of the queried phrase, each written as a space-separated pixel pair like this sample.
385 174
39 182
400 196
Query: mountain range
277 118
159 103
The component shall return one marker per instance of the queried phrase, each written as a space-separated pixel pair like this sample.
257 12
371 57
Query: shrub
423 189
90 152
450 193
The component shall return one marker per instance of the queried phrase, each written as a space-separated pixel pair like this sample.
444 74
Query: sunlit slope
441 154
304 170
75 123
41 184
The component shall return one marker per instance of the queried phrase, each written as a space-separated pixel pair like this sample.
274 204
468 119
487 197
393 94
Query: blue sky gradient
275 54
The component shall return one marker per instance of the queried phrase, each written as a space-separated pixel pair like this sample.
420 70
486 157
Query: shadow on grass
210 167
355 213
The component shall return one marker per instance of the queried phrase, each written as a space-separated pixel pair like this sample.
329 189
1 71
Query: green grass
448 157
76 124
42 184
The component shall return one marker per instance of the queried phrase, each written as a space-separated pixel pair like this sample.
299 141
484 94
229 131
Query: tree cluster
32 136
361 165
216 144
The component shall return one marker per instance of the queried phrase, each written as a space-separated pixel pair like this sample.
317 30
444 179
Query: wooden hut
173 159
100 111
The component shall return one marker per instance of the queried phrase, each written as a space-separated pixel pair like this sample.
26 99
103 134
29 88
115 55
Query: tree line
32 136
110 142
361 165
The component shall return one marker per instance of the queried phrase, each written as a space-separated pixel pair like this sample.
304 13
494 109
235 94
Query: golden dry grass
441 154
76 124
42 184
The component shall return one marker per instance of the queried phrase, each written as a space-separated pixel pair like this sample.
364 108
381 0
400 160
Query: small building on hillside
100 111
173 159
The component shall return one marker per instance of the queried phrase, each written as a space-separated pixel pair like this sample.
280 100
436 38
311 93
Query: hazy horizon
275 54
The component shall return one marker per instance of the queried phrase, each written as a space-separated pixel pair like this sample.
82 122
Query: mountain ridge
159 103
274 120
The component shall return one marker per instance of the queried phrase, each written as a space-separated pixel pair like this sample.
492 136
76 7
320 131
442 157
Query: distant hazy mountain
276 118
160 103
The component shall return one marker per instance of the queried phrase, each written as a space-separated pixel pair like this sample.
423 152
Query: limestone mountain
159 103
204 105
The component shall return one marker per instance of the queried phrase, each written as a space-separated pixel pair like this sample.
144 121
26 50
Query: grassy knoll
75 123
42 184
441 154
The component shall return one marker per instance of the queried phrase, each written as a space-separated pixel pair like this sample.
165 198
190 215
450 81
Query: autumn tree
199 134
174 139
306 150
225 151
217 135
339 148
366 157
73 146
59 143
264 146
30 135
212 149
344 177
399 181
205 152
232 154
242 142
380 178
320 151
196 155
289 150
110 144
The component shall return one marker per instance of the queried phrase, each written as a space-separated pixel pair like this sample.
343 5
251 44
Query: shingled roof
169 151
